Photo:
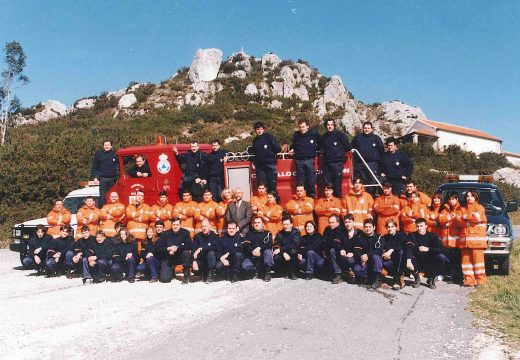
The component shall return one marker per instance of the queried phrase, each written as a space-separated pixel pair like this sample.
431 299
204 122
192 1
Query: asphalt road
283 319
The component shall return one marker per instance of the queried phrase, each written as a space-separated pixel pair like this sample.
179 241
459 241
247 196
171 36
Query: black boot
186 278
337 279
431 282
292 275
209 278
416 279
377 282
234 277
69 273
267 276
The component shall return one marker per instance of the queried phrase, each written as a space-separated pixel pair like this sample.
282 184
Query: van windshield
74 203
491 199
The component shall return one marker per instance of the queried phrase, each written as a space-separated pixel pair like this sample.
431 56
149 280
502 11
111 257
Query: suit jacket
241 215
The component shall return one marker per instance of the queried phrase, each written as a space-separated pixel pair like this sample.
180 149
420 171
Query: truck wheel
505 267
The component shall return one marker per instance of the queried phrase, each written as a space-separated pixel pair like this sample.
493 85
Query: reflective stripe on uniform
470 272
467 265
480 271
479 264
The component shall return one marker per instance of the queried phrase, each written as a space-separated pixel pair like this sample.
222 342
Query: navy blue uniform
63 246
182 256
120 264
264 148
145 168
395 166
305 148
152 263
263 240
312 249
105 167
34 243
396 265
336 240
365 245
287 242
234 246
433 261
215 170
371 149
334 144
207 258
104 252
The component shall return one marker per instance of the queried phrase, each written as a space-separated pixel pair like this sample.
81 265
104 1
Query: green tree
15 60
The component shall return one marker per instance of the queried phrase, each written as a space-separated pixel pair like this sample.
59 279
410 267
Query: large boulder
397 117
85 103
270 61
127 101
507 175
205 65
251 89
51 109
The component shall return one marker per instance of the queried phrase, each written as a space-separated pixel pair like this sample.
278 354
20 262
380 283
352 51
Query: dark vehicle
499 228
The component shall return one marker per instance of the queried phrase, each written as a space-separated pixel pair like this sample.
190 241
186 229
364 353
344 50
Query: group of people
356 238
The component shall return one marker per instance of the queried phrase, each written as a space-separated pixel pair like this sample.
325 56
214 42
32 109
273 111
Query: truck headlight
499 229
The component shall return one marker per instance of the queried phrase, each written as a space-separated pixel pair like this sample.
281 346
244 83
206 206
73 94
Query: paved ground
283 319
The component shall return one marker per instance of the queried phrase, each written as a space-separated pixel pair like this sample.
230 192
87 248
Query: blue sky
457 60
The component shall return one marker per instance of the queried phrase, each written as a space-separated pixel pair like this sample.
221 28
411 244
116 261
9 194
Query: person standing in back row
264 148
195 170
396 166
105 170
304 148
334 144
215 169
371 148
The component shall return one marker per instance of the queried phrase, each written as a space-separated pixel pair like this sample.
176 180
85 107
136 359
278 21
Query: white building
513 158
442 135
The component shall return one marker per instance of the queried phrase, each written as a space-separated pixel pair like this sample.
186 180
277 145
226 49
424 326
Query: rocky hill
293 88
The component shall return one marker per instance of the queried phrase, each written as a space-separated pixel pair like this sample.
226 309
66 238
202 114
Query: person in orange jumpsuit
88 214
327 206
57 217
432 219
110 214
138 216
271 213
409 188
162 210
411 212
474 241
206 210
259 199
387 206
185 210
300 208
227 198
359 203
451 222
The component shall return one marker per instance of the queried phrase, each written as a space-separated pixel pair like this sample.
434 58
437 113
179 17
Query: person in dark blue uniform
390 255
258 250
230 252
334 144
364 248
105 170
125 257
194 175
286 246
99 259
80 249
371 148
150 253
396 166
215 170
175 247
205 246
37 251
59 252
425 253
339 241
304 147
312 250
264 148
141 168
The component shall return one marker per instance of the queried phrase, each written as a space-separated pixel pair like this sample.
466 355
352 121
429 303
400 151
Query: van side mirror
512 206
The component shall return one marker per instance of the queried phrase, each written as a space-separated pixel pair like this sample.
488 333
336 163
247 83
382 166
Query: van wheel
505 267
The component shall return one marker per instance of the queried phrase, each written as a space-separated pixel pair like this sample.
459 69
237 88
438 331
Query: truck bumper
17 247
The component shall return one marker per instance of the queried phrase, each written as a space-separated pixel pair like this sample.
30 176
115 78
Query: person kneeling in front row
175 247
230 253
205 246
286 246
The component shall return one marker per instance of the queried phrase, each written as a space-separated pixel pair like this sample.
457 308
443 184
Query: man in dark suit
239 212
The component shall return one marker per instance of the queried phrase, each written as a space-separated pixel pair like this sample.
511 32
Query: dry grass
515 217
499 299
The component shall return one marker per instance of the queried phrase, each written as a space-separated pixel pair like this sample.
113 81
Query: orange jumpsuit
272 216
221 216
423 199
450 226
432 220
57 218
473 244
410 213
301 211
88 216
258 201
138 220
185 211
360 205
162 212
386 208
325 208
109 215
206 210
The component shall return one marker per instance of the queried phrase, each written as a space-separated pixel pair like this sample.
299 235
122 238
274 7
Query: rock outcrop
127 101
507 175
51 109
205 65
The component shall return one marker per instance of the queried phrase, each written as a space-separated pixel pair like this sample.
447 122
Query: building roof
512 154
459 130
424 132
